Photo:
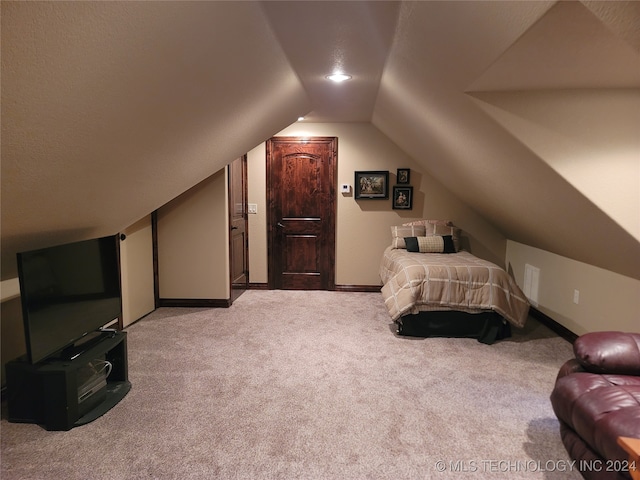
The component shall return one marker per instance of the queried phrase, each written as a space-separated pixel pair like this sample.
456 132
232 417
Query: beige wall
136 260
589 137
193 246
607 300
12 332
363 226
257 223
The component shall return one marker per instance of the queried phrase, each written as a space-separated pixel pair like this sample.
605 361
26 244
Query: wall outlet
252 208
576 296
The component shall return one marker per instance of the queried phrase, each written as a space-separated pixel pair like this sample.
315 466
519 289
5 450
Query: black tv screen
67 292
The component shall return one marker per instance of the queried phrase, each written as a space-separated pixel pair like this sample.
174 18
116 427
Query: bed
424 270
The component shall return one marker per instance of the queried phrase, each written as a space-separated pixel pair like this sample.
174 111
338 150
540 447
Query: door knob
280 225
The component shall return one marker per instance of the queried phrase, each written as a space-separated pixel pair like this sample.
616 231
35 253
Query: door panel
238 244
301 177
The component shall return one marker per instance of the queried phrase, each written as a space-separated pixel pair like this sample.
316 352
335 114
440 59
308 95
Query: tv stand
62 393
82 345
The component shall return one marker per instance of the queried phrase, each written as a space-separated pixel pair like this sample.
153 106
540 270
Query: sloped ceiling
528 111
111 109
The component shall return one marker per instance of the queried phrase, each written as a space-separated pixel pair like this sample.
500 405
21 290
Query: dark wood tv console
57 393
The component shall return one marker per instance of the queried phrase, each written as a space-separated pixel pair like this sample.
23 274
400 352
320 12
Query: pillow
430 244
430 223
439 227
399 233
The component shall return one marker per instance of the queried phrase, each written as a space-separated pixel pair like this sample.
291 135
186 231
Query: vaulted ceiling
527 111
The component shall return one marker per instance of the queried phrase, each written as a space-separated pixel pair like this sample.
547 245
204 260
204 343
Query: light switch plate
252 208
345 188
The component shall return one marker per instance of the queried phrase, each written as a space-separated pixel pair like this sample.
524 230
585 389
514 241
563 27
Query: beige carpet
311 385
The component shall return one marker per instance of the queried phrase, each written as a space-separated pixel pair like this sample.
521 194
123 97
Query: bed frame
486 327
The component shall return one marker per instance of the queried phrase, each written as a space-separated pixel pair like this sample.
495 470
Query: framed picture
404 175
402 197
373 185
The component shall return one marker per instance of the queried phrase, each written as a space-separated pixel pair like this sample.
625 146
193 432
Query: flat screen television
68 292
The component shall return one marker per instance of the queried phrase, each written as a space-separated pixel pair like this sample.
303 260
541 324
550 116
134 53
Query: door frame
234 293
332 204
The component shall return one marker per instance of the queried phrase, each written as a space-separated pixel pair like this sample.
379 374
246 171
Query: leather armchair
597 399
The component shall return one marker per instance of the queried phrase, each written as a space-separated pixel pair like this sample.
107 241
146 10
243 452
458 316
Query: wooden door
238 243
301 190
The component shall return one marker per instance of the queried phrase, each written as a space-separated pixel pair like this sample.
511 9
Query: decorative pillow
430 244
439 227
431 223
399 233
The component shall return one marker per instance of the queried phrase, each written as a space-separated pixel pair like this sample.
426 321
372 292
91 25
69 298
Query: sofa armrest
609 352
569 367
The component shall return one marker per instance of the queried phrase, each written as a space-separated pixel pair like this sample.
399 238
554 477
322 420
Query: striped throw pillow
430 244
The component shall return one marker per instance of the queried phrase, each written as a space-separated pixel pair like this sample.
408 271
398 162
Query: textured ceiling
111 109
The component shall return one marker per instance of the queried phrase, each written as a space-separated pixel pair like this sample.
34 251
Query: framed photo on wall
402 197
372 185
403 175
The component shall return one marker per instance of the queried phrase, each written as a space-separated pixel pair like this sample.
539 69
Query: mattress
415 282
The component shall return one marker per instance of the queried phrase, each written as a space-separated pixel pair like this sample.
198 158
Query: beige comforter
416 282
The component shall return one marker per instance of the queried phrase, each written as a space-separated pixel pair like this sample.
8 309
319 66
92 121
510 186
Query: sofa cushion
609 352
599 408
588 461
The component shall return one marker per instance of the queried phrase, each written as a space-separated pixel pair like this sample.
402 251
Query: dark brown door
238 244
301 190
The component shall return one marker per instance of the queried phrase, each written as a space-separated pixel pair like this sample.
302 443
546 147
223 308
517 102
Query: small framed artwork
402 197
372 185
404 175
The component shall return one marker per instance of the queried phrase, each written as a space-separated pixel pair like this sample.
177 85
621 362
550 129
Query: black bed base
486 327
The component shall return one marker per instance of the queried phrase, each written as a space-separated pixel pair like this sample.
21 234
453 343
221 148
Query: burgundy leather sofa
597 399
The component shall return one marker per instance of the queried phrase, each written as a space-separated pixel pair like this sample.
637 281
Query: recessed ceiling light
300 119
339 77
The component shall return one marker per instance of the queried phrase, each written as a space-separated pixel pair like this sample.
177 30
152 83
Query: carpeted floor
311 385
